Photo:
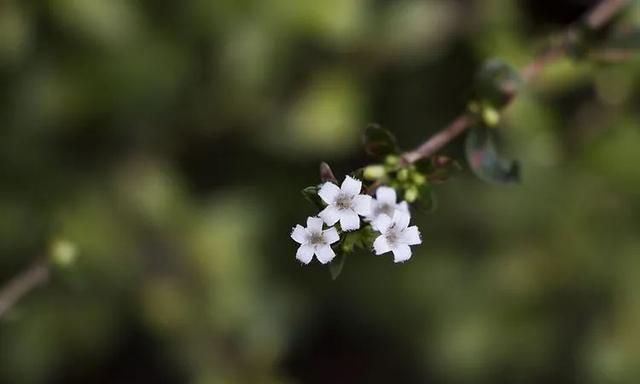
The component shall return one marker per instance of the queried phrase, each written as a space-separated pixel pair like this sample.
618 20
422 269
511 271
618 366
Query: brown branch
22 284
437 141
603 13
599 16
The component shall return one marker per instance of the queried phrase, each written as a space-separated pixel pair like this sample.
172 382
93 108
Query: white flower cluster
345 204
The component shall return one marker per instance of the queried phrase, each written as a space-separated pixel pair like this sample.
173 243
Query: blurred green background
169 141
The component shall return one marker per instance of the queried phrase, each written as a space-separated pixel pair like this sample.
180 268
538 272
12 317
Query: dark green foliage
484 159
628 39
336 265
439 169
311 194
496 83
379 142
351 242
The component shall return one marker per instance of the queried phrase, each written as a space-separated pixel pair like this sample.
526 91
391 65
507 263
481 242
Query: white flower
344 204
396 236
313 240
385 203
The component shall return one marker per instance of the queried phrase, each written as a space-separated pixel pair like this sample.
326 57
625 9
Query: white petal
411 236
305 253
300 234
386 195
351 186
401 253
328 192
314 224
380 245
331 235
349 220
401 219
362 205
330 215
381 223
403 206
325 254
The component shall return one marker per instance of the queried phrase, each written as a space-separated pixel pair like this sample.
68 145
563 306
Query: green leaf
351 242
427 202
628 39
379 142
311 194
439 169
496 83
337 264
484 160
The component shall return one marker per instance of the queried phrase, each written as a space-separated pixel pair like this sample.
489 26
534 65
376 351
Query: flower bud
63 253
374 172
403 174
418 178
411 194
391 160
490 116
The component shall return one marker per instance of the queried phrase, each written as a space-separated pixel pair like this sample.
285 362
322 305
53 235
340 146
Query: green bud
391 160
403 174
418 178
374 172
411 194
490 116
63 253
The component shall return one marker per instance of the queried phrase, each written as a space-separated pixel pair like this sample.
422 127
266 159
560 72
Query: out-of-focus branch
595 19
36 275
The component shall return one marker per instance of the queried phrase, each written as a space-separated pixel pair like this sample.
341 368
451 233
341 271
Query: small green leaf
337 264
496 83
379 142
326 174
350 241
311 193
439 169
427 201
484 160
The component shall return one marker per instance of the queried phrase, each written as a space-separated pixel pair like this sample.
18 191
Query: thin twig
437 141
22 284
603 13
599 16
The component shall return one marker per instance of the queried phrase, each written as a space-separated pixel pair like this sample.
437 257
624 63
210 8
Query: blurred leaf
325 117
326 174
427 202
627 39
439 168
379 142
336 266
484 159
311 193
350 241
362 238
496 83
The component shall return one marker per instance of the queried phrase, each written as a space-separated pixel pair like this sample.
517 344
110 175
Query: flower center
316 239
343 201
392 235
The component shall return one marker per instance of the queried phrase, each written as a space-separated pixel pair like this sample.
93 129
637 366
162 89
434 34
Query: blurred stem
595 19
36 275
